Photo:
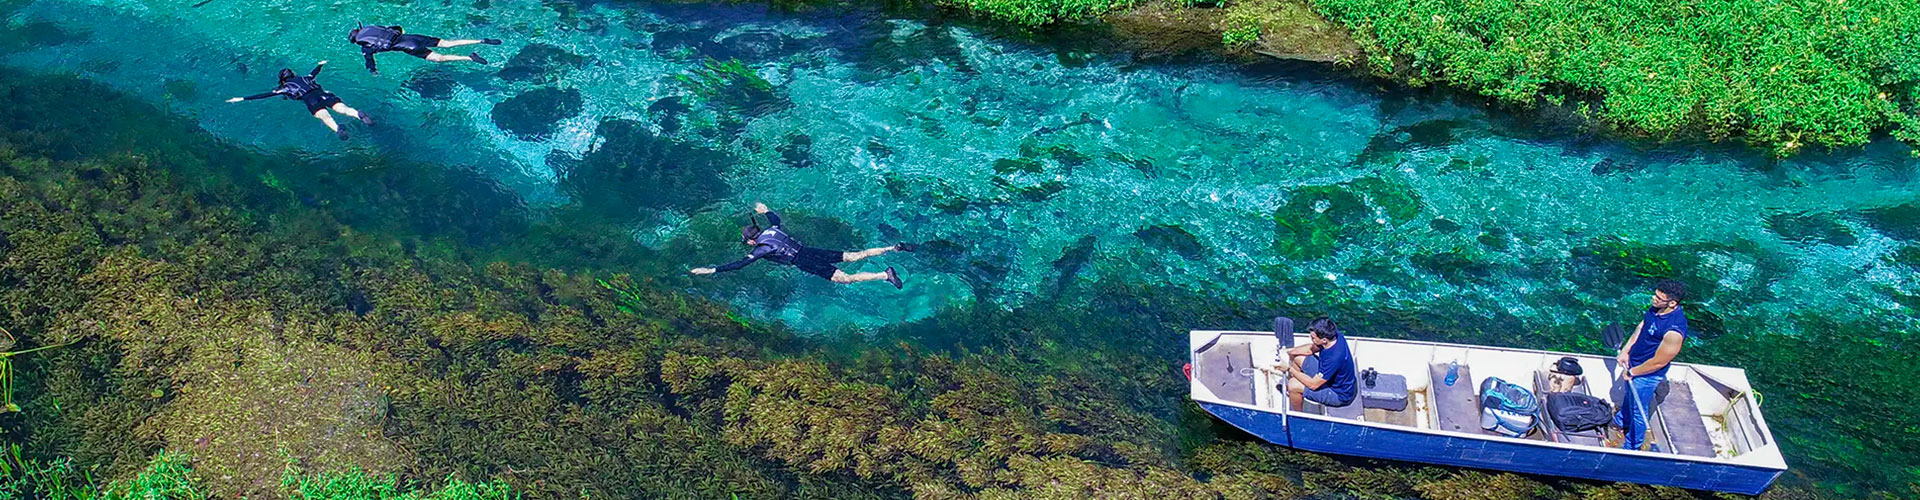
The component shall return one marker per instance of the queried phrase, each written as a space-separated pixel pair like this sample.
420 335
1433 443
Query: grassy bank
170 476
1783 75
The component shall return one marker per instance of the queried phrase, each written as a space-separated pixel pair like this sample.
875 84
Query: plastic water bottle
1453 372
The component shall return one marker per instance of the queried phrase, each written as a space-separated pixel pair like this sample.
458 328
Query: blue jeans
1632 421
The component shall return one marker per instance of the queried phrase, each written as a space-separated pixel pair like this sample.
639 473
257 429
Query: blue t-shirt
1336 365
1657 326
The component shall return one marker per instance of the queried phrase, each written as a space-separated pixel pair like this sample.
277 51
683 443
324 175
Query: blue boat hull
1489 453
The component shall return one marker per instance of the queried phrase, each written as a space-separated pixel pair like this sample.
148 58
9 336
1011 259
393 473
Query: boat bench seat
1455 407
1685 430
1352 411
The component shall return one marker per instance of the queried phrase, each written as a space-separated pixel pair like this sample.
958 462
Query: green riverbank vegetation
1780 75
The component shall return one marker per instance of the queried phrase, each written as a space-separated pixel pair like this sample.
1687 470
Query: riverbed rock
1173 238
1898 221
798 151
432 83
540 63
536 113
753 45
1811 228
632 170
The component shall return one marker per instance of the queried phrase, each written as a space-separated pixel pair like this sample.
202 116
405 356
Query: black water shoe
905 247
342 133
491 41
894 278
476 58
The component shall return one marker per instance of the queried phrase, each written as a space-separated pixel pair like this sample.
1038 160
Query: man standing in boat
1645 356
1323 370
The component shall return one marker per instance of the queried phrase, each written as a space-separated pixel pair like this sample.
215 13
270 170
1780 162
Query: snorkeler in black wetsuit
776 245
376 39
318 100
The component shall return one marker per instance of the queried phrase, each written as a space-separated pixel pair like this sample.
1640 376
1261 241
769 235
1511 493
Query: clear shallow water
1022 167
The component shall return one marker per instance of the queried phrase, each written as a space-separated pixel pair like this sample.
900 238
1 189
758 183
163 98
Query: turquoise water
1025 169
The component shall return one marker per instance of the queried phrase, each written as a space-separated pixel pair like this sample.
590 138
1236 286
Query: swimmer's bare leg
871 252
328 120
447 44
342 108
843 278
439 57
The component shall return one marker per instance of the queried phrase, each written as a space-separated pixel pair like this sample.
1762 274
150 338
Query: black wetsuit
392 39
304 88
776 245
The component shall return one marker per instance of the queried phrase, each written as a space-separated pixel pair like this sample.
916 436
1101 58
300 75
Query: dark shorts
418 45
319 100
1325 395
819 261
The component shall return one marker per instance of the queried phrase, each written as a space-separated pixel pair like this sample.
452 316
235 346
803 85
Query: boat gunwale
1728 461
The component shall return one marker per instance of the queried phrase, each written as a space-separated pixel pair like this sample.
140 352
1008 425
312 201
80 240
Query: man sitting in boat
1322 370
1645 356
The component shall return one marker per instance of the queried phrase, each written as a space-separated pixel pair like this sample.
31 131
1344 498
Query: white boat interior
1704 412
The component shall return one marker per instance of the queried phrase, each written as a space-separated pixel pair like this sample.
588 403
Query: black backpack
298 87
377 38
1575 412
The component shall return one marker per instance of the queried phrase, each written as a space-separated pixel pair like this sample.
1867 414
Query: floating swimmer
376 39
774 244
318 100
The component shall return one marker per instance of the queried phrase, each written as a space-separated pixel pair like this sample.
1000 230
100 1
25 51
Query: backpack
785 247
298 87
1505 408
1575 412
375 37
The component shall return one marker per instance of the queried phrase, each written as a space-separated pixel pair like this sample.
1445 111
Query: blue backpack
1505 408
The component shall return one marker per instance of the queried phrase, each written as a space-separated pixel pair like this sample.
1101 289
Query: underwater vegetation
170 476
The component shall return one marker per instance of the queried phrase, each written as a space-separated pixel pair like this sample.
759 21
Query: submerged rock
432 83
540 63
536 113
1811 228
1458 267
798 151
1173 238
755 45
669 113
633 170
1432 134
894 50
1899 221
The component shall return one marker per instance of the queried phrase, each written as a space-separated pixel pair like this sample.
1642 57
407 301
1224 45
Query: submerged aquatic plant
733 87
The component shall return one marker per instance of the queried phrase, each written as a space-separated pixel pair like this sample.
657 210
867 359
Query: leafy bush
1038 12
1783 73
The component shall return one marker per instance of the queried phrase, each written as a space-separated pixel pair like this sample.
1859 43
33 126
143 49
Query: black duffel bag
1575 412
